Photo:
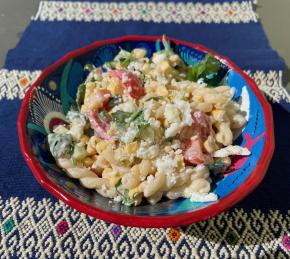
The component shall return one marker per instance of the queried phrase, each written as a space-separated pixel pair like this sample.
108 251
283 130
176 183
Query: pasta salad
147 128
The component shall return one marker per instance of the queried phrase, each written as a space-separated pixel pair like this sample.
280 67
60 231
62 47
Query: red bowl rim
148 221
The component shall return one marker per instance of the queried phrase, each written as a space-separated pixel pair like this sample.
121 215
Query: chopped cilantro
103 115
60 145
124 62
81 95
120 118
155 98
206 70
124 119
127 200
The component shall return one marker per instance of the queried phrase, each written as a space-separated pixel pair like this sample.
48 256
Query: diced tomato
193 136
99 126
201 124
129 81
193 152
186 133
201 127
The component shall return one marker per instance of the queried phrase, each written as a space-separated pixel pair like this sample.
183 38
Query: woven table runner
34 224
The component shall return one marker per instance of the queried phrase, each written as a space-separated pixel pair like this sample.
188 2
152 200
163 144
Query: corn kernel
164 67
174 60
88 162
91 150
139 53
161 91
84 108
180 162
100 147
115 87
84 139
131 147
114 180
165 123
219 115
146 68
168 149
197 98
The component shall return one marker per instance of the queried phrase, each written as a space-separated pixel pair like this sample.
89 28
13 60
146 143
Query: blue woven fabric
245 44
43 42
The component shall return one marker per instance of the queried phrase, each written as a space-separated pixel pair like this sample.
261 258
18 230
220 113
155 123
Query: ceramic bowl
50 97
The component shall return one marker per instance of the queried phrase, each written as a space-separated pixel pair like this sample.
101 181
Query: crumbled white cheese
173 129
178 122
166 164
203 197
232 150
130 134
162 80
176 144
135 65
158 57
185 109
178 152
171 113
171 179
143 144
76 130
154 123
125 78
148 152
147 113
185 85
150 178
60 129
129 106
118 198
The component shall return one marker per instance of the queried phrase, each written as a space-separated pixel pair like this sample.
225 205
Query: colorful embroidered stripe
167 12
14 83
32 228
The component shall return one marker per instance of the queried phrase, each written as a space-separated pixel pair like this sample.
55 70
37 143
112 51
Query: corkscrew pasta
147 128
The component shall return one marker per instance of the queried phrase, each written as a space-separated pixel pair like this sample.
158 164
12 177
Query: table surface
274 15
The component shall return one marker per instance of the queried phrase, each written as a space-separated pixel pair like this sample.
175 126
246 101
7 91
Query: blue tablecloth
35 224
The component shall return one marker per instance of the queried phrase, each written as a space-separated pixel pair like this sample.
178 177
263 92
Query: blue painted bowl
50 97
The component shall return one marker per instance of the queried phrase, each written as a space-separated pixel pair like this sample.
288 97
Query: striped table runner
36 225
